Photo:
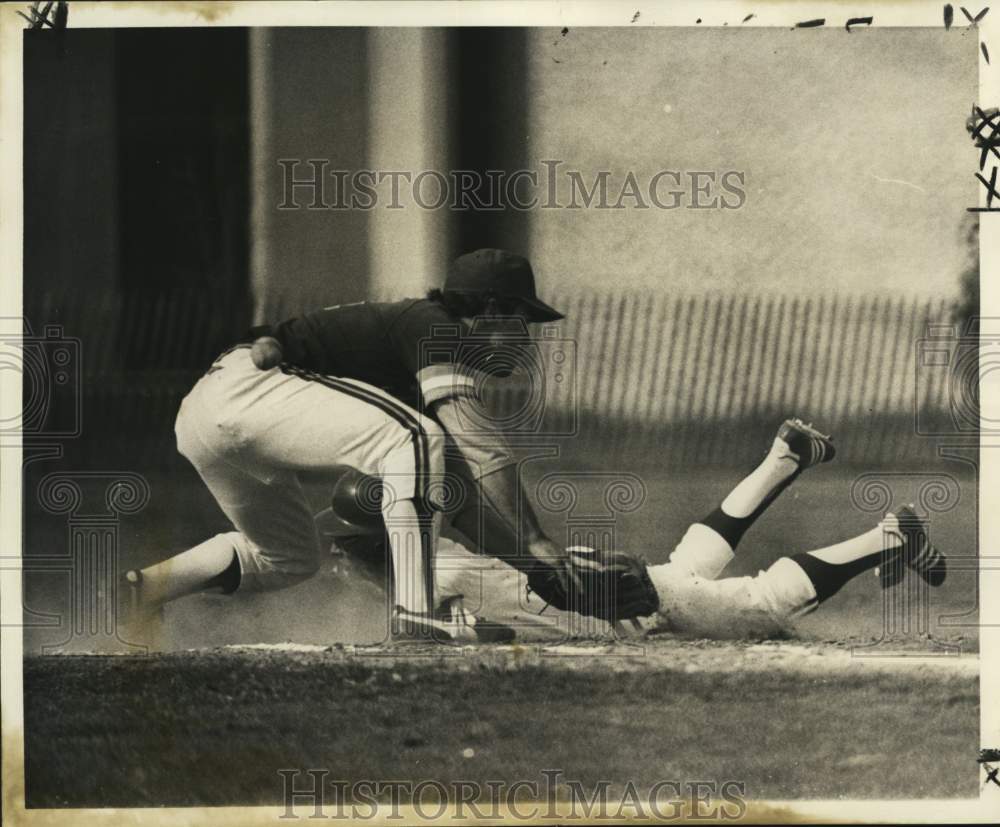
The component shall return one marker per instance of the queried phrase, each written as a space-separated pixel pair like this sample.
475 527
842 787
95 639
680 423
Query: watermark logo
592 504
50 369
311 184
312 794
952 363
907 621
89 567
505 379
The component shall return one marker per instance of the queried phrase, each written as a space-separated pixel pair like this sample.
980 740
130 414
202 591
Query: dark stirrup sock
827 578
731 529
773 495
227 580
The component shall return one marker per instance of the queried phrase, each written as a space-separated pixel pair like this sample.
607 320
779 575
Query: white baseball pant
249 433
693 601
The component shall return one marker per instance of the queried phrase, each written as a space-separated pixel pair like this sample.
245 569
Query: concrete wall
307 101
387 100
70 163
858 165
409 116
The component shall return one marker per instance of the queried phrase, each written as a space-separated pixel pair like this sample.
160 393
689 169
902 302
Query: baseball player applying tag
351 385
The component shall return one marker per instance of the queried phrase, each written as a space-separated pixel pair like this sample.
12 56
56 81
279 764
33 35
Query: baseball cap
504 273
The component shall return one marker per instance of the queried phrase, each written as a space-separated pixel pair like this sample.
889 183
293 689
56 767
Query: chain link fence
636 378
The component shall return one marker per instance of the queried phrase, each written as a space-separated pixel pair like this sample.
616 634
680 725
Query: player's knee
786 589
270 569
288 573
303 571
187 443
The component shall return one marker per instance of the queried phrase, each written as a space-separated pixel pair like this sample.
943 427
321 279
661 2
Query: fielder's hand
609 585
266 353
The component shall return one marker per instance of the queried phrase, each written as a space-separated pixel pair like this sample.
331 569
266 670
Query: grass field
804 718
214 728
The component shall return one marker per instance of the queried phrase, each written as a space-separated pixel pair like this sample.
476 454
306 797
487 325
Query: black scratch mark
555 59
40 16
949 15
973 20
986 53
858 21
811 24
635 17
979 120
748 17
991 187
976 125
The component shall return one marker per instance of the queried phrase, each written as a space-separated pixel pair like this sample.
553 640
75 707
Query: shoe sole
406 630
799 427
928 562
485 633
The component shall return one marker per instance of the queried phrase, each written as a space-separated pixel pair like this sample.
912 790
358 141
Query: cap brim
541 312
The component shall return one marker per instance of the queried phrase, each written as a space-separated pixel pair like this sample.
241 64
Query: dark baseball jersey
409 348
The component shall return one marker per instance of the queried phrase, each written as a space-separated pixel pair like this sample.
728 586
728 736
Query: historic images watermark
527 379
907 618
312 185
50 368
312 794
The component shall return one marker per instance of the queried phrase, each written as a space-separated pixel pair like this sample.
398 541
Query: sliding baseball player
685 594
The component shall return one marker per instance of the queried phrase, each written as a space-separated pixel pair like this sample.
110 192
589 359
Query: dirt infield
840 710
916 661
790 719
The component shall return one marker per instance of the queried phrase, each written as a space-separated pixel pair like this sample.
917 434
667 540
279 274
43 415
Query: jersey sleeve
429 342
299 344
482 449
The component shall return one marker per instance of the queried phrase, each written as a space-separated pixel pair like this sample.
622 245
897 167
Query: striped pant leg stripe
418 436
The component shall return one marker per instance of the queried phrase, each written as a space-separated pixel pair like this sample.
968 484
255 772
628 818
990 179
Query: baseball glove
609 585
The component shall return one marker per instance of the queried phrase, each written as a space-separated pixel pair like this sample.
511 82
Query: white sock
886 535
831 567
747 497
412 540
188 572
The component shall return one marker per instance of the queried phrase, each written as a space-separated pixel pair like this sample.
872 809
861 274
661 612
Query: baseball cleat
487 631
135 606
143 620
916 553
807 446
450 624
